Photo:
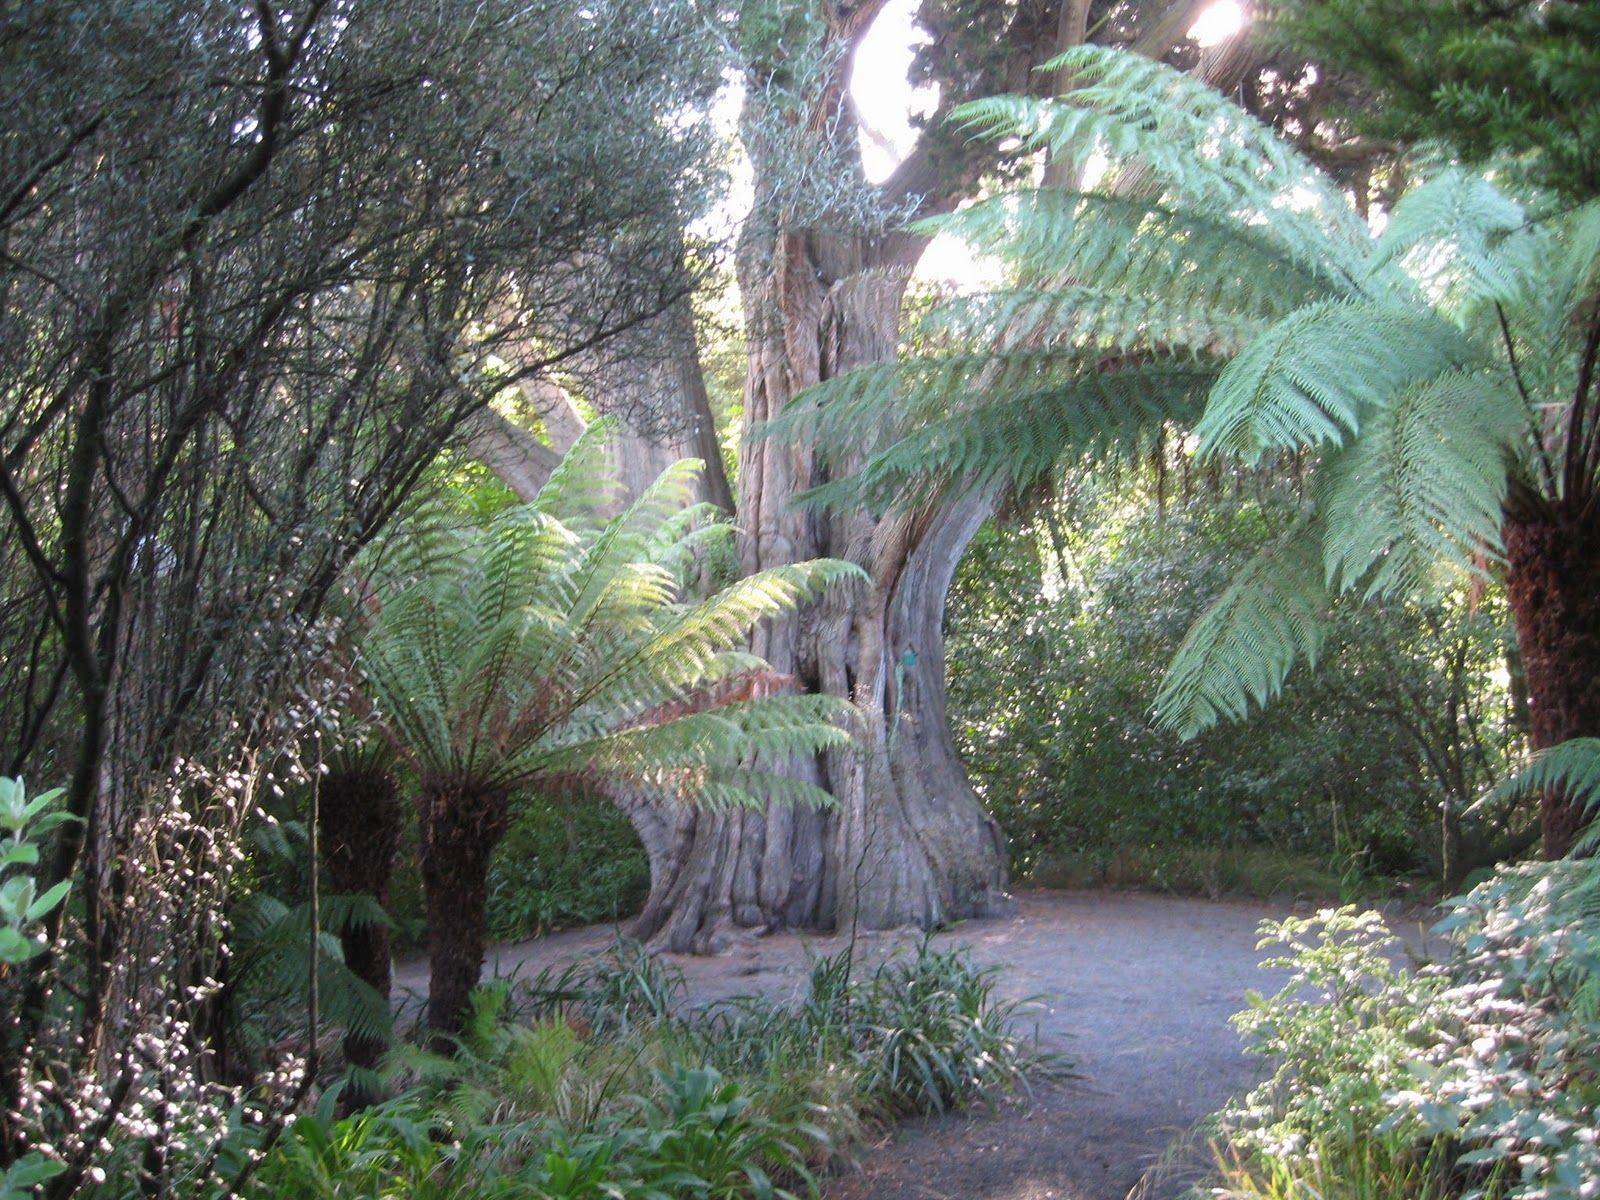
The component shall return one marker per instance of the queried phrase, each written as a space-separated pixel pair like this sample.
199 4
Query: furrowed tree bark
660 401
1553 583
907 842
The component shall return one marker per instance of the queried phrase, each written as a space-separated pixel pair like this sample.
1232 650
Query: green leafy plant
1513 79
1473 1075
709 1140
1366 767
1571 769
25 823
598 1080
557 653
564 865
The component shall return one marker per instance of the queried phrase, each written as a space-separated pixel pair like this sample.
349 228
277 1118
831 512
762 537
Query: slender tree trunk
1553 579
460 830
906 842
361 818
652 380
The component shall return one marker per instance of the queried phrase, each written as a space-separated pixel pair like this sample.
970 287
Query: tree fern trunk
1553 578
360 814
460 830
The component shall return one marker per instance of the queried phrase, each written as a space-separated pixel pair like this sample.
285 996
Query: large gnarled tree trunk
907 841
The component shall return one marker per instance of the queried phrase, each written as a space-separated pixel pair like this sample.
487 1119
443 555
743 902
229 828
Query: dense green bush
1476 1076
1058 628
564 865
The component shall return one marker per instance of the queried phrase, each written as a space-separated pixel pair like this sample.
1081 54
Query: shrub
1341 1033
1473 1078
1058 627
565 865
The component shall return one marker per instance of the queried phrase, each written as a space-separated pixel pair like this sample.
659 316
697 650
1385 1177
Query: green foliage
1473 1076
1056 628
564 865
609 1087
555 653
1342 1032
1421 377
1508 79
1221 872
1571 767
270 953
25 823
922 1032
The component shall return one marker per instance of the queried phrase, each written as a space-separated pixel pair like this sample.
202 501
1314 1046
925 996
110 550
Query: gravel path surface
1136 991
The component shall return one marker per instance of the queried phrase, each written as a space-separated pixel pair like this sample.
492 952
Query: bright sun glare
886 102
1218 23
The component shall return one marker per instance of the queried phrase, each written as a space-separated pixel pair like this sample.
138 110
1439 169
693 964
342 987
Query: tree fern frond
759 789
1134 245
1317 375
1079 319
1241 650
1425 480
583 485
1461 218
1572 768
1201 148
564 658
1033 411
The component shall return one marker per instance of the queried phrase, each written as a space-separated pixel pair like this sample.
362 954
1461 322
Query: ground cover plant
593 1080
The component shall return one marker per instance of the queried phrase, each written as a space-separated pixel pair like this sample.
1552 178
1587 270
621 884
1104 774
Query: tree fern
555 653
1570 767
1460 210
1217 282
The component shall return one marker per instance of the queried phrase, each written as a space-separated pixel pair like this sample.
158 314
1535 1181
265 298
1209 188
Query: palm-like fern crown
556 651
1218 281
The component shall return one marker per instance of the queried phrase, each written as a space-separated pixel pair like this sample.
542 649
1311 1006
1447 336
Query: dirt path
1136 990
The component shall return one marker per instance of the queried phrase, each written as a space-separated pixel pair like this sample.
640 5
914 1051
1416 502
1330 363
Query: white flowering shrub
1476 1077
135 1085
1514 1071
1342 1034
